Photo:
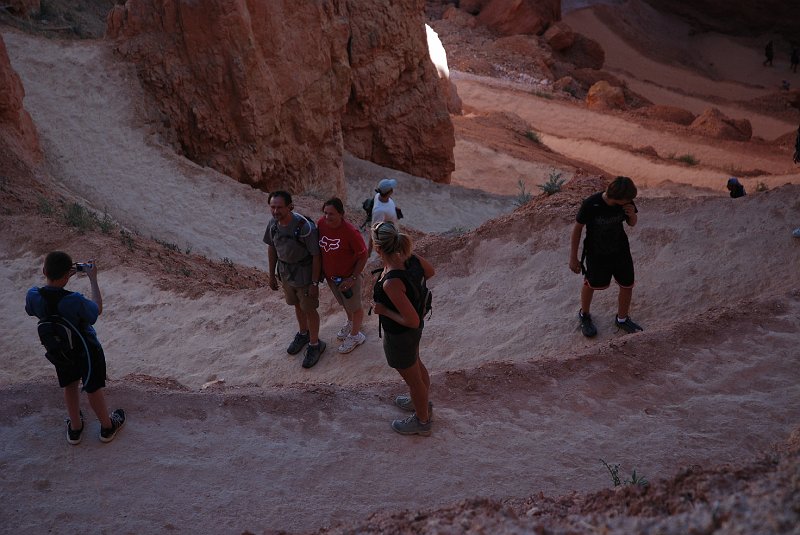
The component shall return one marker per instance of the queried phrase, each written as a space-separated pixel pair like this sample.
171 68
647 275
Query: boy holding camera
606 251
53 300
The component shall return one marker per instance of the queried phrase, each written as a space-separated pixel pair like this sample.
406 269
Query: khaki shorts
298 295
354 303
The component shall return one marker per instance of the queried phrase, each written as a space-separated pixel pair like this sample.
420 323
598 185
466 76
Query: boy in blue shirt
82 313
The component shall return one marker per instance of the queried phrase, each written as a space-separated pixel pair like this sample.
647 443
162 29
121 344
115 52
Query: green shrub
553 183
635 479
533 136
106 224
688 159
523 196
79 217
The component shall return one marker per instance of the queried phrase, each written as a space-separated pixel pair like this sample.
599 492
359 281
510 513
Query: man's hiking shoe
628 325
352 342
74 437
344 332
299 342
412 426
587 325
313 353
117 421
404 402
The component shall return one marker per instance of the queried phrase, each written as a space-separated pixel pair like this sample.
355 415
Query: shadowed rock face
737 18
16 126
272 92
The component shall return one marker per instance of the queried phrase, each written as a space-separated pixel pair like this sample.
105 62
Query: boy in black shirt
606 250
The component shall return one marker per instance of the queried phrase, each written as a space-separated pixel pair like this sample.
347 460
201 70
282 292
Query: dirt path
300 459
523 403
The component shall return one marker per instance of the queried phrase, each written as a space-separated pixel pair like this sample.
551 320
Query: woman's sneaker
351 342
74 437
404 402
412 426
117 421
344 331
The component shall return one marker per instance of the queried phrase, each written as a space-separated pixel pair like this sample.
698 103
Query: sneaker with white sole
117 421
344 332
404 402
412 426
629 326
351 342
74 435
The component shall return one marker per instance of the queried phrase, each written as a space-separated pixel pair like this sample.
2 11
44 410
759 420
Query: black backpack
64 343
416 276
368 205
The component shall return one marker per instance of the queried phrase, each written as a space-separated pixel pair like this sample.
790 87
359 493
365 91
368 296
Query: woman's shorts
402 350
351 304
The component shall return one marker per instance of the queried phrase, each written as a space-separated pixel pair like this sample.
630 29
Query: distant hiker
735 188
606 250
796 157
383 206
65 328
769 53
398 303
794 60
293 248
344 255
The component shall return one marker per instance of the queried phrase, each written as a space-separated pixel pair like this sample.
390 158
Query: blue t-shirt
74 307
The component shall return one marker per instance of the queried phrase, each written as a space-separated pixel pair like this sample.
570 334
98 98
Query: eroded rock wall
16 125
270 92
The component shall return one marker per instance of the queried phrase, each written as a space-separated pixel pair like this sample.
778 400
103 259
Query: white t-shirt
384 211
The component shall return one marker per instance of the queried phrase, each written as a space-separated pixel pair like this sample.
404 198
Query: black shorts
96 374
600 269
402 350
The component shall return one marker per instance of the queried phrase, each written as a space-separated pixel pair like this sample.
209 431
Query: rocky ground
228 434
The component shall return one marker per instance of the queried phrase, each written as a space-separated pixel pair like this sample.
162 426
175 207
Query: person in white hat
383 207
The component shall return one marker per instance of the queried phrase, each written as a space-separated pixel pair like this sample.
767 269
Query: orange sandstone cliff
272 93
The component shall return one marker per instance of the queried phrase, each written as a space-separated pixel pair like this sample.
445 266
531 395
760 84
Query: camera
82 267
347 294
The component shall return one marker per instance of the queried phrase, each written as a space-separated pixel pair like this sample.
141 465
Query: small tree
553 183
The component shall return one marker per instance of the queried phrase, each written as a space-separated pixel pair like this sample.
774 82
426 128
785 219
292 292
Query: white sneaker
352 342
344 332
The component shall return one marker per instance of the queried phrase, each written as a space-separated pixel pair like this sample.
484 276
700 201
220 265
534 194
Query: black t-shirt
379 296
605 234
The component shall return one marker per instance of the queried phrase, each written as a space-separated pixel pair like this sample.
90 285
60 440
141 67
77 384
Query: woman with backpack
398 302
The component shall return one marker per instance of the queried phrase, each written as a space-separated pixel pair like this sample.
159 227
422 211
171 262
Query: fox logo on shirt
328 244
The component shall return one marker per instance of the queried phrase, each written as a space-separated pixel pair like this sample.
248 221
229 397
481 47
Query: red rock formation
511 17
559 36
257 90
714 123
25 8
396 115
604 96
16 126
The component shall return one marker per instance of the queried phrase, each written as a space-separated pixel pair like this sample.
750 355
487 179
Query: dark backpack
424 297
64 343
368 205
298 230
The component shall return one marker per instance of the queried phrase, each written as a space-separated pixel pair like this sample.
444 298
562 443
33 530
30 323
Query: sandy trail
302 459
523 403
594 138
